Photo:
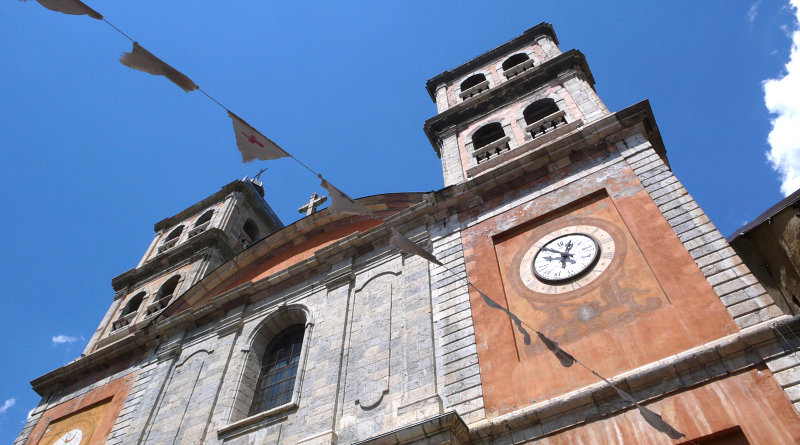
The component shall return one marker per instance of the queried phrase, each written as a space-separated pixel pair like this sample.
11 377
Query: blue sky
95 153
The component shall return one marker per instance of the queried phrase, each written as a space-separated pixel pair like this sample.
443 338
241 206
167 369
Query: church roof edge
529 35
238 185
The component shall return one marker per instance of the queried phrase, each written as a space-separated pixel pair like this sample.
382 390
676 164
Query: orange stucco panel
93 413
651 301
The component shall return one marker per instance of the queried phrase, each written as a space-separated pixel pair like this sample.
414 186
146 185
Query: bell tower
571 218
185 248
509 101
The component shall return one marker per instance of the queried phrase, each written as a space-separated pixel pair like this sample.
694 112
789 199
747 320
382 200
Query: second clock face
565 257
72 437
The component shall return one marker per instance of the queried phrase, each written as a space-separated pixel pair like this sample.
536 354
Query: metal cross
312 204
256 177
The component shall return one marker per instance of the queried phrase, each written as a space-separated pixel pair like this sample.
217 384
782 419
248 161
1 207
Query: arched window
202 223
133 304
272 374
168 288
516 64
164 294
205 218
171 239
279 364
473 85
487 134
472 80
542 115
488 141
249 233
128 313
175 233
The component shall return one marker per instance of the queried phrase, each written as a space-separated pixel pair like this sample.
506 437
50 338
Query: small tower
509 101
185 248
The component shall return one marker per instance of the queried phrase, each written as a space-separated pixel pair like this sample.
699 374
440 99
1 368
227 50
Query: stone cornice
505 93
530 35
212 238
250 193
450 425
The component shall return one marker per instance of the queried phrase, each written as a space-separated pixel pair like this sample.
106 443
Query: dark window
175 233
168 288
514 60
133 304
251 230
487 134
471 81
205 218
538 110
278 370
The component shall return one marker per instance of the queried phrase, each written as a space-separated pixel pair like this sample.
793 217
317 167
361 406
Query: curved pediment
289 246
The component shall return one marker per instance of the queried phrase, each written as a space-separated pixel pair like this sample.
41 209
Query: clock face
565 257
565 260
71 437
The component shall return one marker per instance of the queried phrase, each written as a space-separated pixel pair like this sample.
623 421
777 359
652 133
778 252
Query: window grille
278 371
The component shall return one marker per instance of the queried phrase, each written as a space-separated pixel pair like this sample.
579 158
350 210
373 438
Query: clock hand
569 246
555 251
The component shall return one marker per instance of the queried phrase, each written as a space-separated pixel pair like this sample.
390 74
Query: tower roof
529 35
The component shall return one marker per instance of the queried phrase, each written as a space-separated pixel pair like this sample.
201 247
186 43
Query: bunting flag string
252 145
566 359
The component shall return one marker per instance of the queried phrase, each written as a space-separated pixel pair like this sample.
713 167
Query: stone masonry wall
746 300
456 350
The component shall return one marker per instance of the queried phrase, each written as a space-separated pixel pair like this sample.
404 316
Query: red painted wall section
752 401
649 303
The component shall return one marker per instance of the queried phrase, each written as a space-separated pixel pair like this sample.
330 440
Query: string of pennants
253 145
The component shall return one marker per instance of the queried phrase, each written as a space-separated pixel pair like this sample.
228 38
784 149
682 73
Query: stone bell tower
185 248
571 218
480 123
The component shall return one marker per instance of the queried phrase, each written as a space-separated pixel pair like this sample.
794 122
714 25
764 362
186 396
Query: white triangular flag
143 60
72 7
252 144
400 242
341 203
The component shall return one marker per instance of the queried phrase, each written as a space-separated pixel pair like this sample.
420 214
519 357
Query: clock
71 437
565 259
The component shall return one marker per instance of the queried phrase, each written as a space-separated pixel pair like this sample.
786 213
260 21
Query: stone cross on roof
312 204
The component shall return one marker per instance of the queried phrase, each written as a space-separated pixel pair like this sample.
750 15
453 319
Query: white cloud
782 97
7 405
752 13
61 339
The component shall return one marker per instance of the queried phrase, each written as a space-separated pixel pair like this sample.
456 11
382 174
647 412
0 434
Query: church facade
236 329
